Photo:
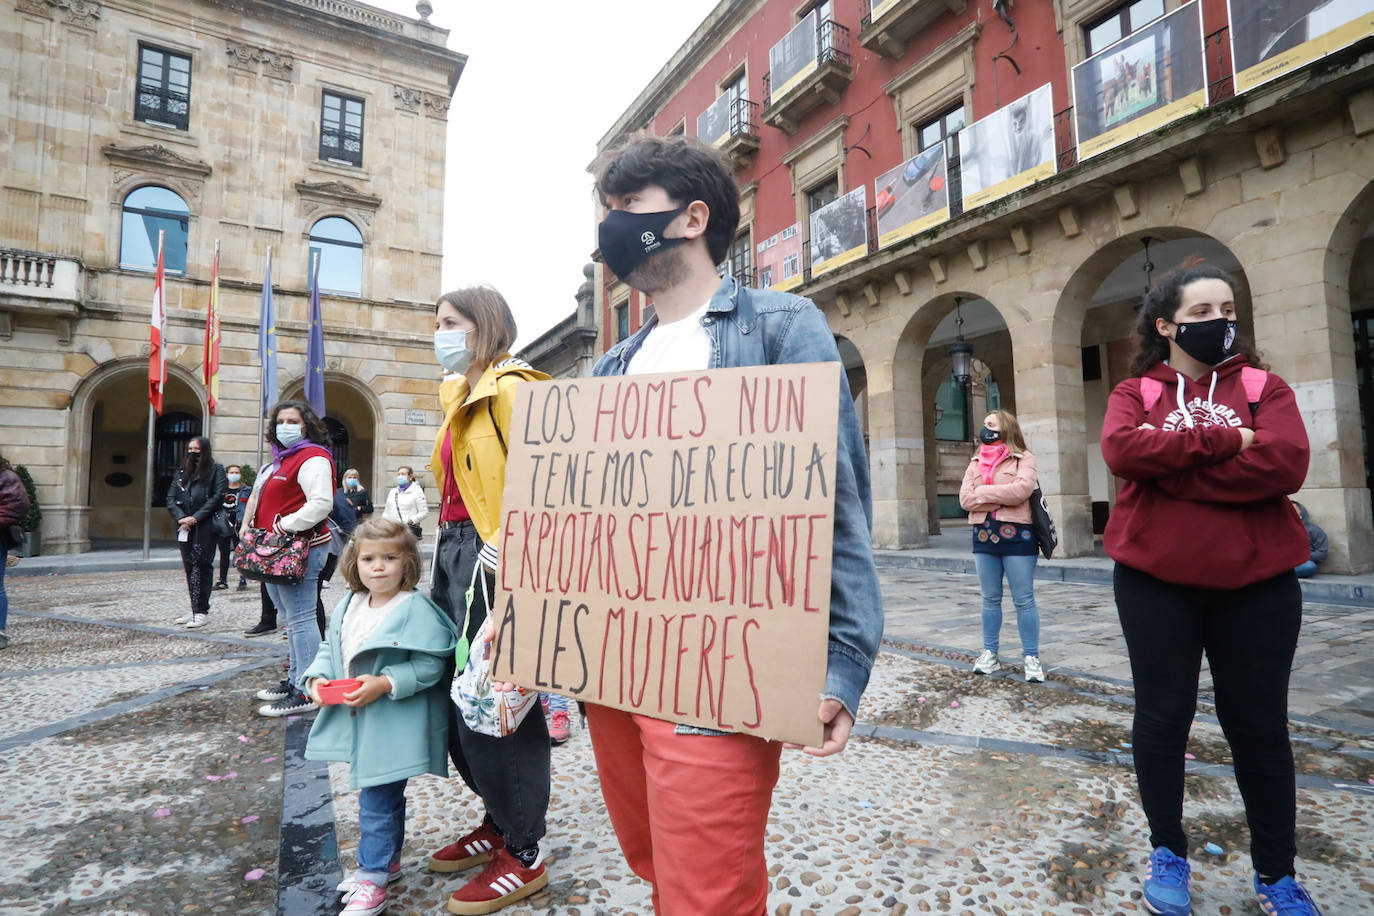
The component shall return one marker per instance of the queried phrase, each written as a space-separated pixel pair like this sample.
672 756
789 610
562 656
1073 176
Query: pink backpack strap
1253 380
1150 390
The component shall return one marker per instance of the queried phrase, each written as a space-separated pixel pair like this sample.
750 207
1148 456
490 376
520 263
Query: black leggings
1249 635
226 551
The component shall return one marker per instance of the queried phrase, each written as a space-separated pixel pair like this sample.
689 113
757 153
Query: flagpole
152 422
213 308
262 358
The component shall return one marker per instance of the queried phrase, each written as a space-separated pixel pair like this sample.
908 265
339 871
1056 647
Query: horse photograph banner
794 57
713 124
778 258
839 232
1153 76
912 197
666 545
1010 149
1274 38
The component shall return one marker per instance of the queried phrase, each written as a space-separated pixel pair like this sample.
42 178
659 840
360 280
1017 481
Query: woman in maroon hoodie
1208 445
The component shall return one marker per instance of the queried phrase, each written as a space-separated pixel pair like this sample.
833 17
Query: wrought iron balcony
898 20
341 145
743 140
823 85
163 105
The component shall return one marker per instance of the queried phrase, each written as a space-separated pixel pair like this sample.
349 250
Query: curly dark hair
1162 301
315 430
684 167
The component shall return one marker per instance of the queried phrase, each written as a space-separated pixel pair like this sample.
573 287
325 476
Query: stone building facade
1274 182
294 125
568 349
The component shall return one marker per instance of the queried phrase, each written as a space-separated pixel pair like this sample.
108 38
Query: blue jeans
1020 573
4 599
296 605
381 829
1304 570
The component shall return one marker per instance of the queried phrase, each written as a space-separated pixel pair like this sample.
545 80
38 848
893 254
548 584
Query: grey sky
544 81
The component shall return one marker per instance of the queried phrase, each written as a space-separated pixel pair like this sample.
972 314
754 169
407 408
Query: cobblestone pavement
139 781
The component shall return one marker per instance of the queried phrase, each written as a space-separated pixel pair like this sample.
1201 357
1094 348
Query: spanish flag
212 335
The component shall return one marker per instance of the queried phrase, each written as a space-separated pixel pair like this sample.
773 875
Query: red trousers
690 811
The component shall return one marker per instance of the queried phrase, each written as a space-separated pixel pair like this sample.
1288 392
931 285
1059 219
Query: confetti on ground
1189 757
269 759
243 739
162 812
1214 849
249 819
255 874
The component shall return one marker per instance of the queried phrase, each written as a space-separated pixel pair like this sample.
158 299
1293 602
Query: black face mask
628 239
988 436
1209 342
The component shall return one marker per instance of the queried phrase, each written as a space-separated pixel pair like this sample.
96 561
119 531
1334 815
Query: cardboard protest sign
666 545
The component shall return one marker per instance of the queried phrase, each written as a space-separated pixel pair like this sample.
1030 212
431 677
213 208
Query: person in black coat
194 497
357 496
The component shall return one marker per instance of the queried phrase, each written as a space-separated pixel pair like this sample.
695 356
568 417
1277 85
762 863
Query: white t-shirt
682 346
361 621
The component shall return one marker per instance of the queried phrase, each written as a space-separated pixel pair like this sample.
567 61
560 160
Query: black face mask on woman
988 436
628 239
1209 342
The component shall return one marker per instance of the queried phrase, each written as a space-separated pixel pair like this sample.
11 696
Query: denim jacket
750 327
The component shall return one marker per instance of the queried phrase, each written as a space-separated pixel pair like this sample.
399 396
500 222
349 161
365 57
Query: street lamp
960 353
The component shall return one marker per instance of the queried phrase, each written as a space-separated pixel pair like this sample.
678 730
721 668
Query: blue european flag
314 348
267 342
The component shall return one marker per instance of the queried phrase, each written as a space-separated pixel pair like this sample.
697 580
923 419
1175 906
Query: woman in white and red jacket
296 498
996 494
1208 445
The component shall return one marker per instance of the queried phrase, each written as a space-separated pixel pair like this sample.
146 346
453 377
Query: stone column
896 450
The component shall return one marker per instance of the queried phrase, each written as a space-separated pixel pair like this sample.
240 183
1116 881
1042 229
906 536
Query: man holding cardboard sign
747 514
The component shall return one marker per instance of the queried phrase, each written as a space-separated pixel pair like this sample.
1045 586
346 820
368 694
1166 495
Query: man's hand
374 688
838 723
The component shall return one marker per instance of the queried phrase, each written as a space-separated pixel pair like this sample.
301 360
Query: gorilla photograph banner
912 197
839 232
713 124
1276 37
1142 82
1010 149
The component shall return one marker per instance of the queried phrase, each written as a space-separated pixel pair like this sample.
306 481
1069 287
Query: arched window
146 211
340 245
170 435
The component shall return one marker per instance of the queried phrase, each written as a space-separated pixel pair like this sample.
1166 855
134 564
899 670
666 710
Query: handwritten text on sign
666 545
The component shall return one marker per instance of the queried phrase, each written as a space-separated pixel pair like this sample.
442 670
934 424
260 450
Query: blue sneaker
1166 884
1285 897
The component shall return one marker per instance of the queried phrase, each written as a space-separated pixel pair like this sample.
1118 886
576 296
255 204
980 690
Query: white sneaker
1034 673
349 884
987 663
183 620
197 621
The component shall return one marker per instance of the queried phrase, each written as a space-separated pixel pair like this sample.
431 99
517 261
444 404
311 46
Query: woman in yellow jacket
473 332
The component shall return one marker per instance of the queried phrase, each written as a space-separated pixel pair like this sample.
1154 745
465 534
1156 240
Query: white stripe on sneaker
479 846
506 884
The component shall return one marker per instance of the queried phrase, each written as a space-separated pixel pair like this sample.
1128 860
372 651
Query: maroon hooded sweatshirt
1193 509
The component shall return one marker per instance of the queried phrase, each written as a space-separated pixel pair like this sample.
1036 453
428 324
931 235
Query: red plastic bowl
332 692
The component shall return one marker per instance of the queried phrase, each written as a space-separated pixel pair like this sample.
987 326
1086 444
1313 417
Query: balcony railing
832 43
744 118
341 145
27 268
163 105
31 279
1221 84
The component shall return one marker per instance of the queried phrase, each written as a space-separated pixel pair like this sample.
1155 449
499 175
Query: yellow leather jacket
478 423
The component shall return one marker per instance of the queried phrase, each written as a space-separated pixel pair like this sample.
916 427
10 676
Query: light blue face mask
451 349
288 434
402 480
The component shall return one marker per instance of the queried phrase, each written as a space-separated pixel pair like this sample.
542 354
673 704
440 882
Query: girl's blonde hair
1011 432
387 531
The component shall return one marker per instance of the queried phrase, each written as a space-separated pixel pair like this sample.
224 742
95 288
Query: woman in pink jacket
996 494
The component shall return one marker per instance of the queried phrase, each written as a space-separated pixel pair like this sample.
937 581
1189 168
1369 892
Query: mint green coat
390 739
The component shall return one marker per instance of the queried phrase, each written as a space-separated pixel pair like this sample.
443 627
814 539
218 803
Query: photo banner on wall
713 124
779 259
794 58
839 232
1010 149
1271 39
1142 82
879 9
912 197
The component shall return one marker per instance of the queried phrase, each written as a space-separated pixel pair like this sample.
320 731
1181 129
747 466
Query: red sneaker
501 883
559 730
474 849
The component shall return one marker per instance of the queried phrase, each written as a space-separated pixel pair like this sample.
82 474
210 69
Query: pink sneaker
347 885
367 899
559 730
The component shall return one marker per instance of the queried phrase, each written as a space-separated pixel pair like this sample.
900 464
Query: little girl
395 641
